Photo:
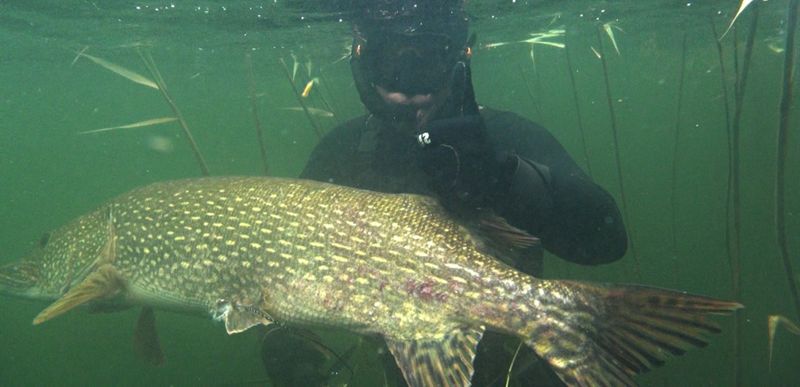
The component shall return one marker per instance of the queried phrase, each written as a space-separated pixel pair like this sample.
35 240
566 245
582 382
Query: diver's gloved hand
461 162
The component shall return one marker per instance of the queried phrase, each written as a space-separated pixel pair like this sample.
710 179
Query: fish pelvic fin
603 335
443 360
146 344
103 283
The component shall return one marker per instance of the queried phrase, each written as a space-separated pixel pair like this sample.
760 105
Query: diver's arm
326 160
550 196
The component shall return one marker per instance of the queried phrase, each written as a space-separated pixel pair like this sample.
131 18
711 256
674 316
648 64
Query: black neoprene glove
461 162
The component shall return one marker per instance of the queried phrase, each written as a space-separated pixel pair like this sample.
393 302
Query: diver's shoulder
352 126
508 121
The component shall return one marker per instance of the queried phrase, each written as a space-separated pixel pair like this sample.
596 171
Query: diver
425 133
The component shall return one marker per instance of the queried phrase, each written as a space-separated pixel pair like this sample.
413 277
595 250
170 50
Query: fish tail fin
603 335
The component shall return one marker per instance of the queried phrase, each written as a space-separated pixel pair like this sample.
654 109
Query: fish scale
251 250
259 241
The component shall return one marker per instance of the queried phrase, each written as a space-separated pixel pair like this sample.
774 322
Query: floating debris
596 53
140 124
313 111
78 56
309 86
609 29
119 70
295 65
772 326
536 38
161 144
743 4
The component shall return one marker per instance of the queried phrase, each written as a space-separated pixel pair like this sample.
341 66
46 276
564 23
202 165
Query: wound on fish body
253 251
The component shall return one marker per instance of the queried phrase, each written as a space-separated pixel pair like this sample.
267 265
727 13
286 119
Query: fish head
21 278
60 260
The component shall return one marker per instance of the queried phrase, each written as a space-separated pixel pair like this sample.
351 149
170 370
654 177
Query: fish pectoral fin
497 230
442 360
146 344
103 283
239 317
495 236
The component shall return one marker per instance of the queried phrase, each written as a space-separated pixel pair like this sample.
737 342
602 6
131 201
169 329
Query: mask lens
410 63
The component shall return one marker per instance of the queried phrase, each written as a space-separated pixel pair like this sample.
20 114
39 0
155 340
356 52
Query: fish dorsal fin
239 316
444 360
146 344
103 283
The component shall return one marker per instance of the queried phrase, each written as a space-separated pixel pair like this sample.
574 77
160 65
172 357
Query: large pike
254 251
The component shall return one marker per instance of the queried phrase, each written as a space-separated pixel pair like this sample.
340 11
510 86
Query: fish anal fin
239 316
146 344
443 360
103 283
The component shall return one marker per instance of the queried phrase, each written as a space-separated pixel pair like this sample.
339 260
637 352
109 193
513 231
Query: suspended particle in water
160 144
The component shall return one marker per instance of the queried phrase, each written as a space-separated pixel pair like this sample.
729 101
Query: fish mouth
418 108
22 279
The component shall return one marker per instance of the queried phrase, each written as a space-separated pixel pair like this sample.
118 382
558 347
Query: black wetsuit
581 223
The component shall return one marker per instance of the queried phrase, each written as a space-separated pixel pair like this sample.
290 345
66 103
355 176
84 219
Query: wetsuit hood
410 59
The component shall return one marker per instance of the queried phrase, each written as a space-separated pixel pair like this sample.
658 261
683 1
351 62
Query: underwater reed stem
736 236
673 195
323 90
530 93
738 107
783 143
162 87
726 100
251 81
578 115
732 261
302 103
613 118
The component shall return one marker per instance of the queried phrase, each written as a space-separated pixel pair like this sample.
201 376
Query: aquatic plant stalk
726 102
676 146
323 90
251 82
736 235
613 118
578 114
783 145
732 259
511 365
531 94
302 103
162 87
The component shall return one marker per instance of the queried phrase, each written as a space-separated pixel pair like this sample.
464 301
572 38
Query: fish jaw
23 279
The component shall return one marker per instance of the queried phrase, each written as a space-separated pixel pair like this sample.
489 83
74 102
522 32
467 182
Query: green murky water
50 174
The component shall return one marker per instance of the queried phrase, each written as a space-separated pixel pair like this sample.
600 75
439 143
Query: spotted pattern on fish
251 250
